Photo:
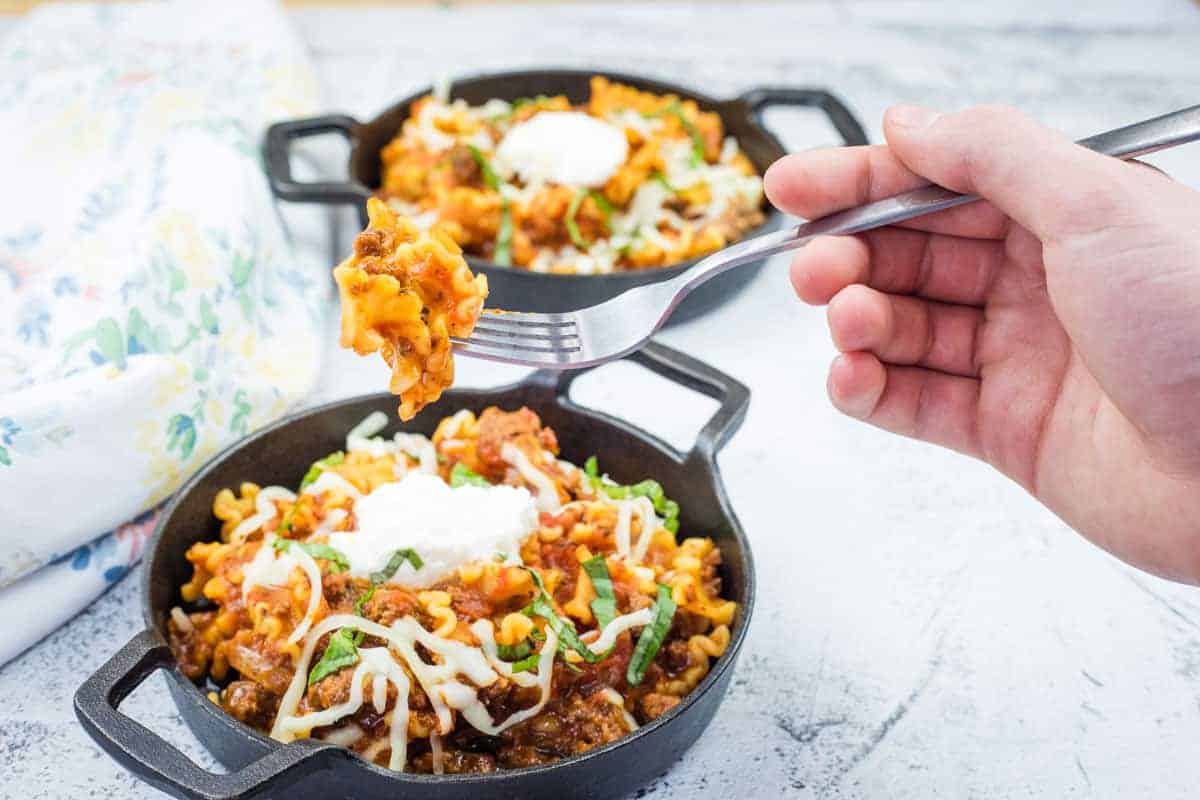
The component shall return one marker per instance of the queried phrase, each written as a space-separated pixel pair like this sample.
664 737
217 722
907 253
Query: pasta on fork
404 292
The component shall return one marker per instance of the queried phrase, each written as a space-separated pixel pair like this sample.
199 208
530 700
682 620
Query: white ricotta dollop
566 147
446 527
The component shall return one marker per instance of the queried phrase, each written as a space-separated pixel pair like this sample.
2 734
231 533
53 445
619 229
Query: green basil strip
604 606
667 508
341 652
658 176
516 105
286 523
336 558
605 207
514 652
395 562
652 637
489 175
503 254
314 472
462 475
526 664
360 604
676 110
690 129
542 606
573 227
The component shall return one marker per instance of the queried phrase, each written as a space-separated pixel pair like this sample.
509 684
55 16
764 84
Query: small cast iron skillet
306 769
521 290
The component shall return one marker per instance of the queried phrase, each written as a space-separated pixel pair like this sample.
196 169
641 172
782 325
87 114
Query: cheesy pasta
435 606
627 180
404 292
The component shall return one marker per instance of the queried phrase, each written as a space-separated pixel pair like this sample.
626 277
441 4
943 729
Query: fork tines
524 337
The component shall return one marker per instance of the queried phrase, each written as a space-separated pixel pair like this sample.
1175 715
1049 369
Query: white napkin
152 306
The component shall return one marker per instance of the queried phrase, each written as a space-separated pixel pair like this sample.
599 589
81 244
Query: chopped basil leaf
314 472
652 489
462 475
652 637
658 176
605 207
527 663
573 227
341 652
514 652
604 606
360 604
395 562
286 523
489 175
542 606
517 105
336 558
690 129
503 254
676 110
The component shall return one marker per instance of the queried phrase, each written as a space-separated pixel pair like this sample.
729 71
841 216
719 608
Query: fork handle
1131 141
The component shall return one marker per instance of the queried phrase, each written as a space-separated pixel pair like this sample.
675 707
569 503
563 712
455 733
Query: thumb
1047 183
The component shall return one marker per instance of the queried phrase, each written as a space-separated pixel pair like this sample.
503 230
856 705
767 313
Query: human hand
1052 331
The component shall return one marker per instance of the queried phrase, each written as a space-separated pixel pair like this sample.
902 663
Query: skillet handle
277 156
157 761
732 395
842 118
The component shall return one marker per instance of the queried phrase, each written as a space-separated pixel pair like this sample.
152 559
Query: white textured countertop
924 629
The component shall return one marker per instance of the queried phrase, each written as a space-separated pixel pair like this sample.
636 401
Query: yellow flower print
170 107
177 232
170 387
214 412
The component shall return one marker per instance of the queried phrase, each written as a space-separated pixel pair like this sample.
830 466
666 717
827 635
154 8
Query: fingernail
912 116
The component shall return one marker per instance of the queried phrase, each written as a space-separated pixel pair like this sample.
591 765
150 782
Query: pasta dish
404 292
627 180
463 603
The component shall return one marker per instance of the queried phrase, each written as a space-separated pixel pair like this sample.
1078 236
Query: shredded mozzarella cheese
547 492
440 681
608 636
265 511
614 697
271 568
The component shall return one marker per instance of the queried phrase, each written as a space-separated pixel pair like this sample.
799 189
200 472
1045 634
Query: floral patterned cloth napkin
153 306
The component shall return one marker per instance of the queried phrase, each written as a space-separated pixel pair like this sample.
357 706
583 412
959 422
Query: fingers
819 182
906 330
951 269
1040 178
937 408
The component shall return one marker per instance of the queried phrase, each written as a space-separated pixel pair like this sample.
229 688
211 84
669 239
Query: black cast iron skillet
305 769
521 290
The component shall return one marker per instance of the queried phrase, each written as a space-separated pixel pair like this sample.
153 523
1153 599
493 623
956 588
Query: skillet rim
744 109
725 109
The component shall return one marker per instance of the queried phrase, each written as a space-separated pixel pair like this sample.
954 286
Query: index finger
819 182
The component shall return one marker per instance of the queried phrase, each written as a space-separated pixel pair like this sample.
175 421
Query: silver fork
574 339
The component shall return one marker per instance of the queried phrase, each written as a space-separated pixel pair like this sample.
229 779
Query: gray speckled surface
924 629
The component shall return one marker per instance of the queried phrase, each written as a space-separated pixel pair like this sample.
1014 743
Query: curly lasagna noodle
627 180
462 604
404 292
